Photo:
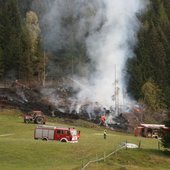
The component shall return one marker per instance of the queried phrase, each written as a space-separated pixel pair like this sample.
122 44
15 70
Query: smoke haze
109 30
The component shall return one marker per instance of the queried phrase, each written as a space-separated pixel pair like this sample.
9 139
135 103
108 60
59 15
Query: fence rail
104 157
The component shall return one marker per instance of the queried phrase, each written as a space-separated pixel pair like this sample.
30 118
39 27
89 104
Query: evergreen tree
30 67
1 64
152 53
10 37
152 96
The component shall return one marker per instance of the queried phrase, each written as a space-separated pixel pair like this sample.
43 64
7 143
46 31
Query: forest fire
59 102
91 52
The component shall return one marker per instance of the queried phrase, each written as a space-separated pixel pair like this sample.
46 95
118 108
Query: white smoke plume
110 47
109 29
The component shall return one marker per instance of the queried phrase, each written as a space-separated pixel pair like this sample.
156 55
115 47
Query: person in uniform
105 134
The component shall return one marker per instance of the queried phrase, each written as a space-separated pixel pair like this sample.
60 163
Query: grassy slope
21 151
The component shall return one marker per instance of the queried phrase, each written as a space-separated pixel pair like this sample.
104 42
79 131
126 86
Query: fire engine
150 130
61 134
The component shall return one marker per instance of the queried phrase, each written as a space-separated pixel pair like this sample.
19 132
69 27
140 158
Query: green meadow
19 150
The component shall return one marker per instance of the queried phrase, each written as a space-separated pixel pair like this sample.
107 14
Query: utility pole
118 100
116 94
72 65
44 70
115 91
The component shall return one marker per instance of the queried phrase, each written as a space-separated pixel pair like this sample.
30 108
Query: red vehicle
56 133
35 117
150 130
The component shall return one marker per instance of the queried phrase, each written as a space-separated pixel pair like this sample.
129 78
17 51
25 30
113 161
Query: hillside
26 100
84 60
30 56
20 151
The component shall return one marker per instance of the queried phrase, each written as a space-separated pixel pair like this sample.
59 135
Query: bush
166 140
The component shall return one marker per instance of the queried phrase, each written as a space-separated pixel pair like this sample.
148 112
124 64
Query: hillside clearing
19 150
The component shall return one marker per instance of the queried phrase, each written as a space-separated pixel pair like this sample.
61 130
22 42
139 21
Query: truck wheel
39 120
63 140
44 139
26 121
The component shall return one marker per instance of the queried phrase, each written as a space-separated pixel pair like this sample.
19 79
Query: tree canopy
22 55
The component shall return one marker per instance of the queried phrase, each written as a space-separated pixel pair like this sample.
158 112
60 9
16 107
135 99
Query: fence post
158 145
139 144
82 164
126 144
96 159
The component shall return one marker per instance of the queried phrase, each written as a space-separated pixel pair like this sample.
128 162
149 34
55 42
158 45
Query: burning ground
59 102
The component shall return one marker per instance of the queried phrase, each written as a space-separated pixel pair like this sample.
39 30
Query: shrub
166 140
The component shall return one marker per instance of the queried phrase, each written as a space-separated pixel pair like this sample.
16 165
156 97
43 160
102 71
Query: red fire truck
150 130
45 132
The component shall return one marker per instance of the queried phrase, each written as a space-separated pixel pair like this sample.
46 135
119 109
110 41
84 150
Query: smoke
108 28
112 37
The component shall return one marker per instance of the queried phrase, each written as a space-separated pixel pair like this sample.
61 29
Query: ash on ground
58 103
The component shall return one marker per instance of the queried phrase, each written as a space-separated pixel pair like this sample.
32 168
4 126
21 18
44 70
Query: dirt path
10 134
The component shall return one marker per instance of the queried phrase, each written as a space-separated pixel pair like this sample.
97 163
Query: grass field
19 150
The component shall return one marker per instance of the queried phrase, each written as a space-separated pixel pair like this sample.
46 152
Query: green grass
19 150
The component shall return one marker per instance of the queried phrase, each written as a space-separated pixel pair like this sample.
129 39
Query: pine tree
11 37
152 53
31 62
152 96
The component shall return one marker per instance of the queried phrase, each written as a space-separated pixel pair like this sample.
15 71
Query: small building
150 130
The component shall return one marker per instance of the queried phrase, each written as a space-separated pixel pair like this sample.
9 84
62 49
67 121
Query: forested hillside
150 70
23 56
20 48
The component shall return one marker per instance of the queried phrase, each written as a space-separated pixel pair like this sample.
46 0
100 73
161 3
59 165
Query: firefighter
15 83
105 134
18 85
102 120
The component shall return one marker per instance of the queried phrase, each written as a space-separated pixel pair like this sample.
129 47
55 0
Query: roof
152 125
53 127
37 111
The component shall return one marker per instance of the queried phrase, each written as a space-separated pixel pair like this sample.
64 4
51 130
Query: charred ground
29 99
